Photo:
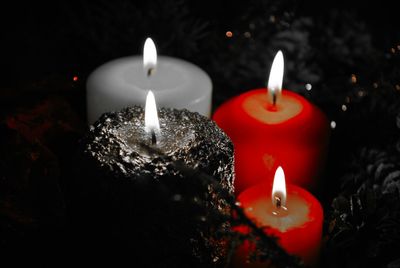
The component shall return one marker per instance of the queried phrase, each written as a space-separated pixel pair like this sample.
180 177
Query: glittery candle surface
119 143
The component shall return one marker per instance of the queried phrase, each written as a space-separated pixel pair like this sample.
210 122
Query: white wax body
122 82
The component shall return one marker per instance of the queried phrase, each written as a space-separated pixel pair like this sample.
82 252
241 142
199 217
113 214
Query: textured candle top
119 143
126 176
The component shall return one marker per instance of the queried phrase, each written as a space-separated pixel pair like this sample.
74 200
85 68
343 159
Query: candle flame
276 78
149 56
279 188
150 114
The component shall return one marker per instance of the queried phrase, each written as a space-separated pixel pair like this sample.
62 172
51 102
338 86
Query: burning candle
120 141
270 127
151 123
124 82
135 151
289 213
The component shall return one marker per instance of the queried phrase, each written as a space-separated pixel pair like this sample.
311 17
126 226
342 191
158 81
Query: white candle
124 82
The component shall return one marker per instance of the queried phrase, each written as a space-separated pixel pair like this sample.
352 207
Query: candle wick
153 137
273 98
150 72
278 202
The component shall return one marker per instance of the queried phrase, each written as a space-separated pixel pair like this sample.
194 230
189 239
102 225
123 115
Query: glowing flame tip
149 56
150 114
276 77
279 188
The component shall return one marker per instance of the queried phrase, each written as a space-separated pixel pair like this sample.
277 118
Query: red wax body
294 136
299 232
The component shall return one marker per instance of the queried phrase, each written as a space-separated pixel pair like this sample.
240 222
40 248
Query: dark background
43 46
46 38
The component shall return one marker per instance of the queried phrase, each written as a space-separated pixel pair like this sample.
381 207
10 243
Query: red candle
270 128
292 214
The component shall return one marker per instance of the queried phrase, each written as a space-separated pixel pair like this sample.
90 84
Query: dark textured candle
129 172
119 143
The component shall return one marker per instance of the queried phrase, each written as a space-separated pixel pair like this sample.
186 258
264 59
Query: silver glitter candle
125 163
119 143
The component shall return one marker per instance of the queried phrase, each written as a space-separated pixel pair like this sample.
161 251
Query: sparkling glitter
333 124
119 142
177 197
353 78
344 108
119 152
229 34
308 87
